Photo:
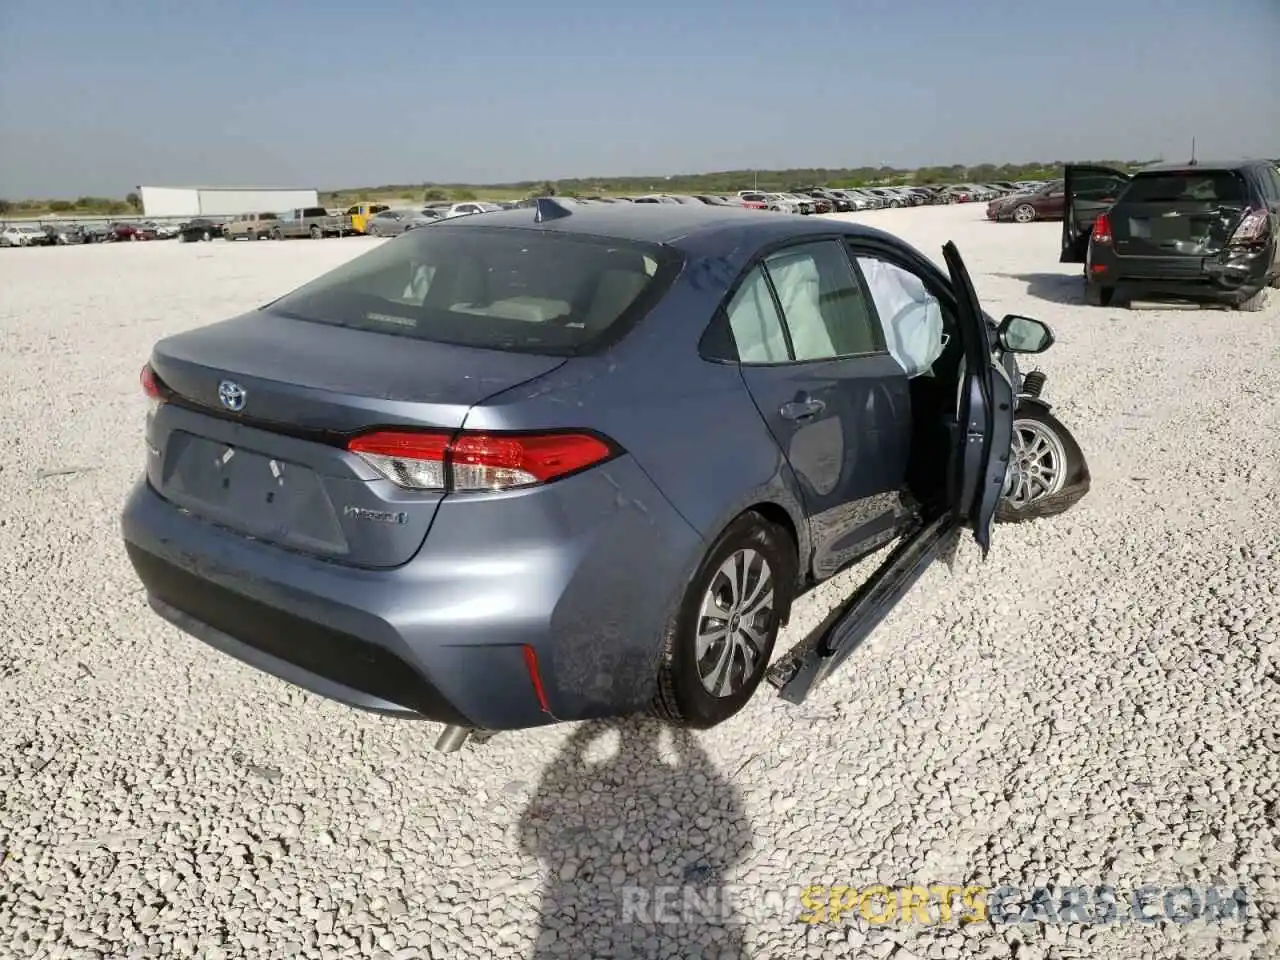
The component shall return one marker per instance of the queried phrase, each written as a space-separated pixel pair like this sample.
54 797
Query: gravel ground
1096 704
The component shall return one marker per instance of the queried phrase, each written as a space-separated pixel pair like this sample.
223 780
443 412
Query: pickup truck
313 222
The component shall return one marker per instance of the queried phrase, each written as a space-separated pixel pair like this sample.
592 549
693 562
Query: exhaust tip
452 738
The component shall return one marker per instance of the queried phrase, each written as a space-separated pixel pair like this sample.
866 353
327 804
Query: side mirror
1024 335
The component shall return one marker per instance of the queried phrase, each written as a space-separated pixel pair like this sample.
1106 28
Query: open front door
984 414
1088 191
983 433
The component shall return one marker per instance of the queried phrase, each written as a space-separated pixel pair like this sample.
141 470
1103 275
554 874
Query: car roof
1170 166
666 223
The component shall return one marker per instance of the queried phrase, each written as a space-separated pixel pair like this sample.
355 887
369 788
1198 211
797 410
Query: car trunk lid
254 438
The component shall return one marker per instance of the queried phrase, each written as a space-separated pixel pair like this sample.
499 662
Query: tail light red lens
151 384
1102 229
478 461
1252 229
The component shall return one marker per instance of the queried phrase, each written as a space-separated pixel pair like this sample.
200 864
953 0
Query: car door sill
814 658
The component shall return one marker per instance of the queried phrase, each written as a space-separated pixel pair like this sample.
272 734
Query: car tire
277 235
1096 295
683 697
315 233
1074 480
1254 303
1024 213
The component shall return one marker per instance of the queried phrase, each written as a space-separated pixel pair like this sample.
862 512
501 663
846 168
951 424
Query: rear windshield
496 288
1214 186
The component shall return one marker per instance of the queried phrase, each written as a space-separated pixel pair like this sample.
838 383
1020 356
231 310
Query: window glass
1186 185
910 317
754 320
825 309
1097 186
519 290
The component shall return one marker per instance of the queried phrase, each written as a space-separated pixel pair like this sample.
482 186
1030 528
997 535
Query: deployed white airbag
911 317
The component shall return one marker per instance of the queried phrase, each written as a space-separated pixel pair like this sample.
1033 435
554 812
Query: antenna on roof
1193 151
548 209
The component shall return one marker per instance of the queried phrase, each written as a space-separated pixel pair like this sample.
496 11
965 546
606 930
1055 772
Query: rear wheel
718 644
315 233
1096 295
1024 213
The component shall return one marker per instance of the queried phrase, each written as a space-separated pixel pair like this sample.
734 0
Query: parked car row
69 232
385 221
1022 201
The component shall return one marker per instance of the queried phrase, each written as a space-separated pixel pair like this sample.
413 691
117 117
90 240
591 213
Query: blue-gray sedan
565 462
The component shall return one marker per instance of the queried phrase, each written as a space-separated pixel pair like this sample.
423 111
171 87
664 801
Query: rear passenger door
814 360
1087 192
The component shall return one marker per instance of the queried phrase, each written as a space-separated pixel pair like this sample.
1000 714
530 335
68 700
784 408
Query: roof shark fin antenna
548 209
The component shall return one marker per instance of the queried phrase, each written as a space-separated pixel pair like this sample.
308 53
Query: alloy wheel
1037 463
733 623
1024 213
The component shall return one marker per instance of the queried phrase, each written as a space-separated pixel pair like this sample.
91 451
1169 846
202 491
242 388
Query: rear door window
755 322
826 311
498 288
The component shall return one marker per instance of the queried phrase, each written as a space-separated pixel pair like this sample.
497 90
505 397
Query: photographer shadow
635 845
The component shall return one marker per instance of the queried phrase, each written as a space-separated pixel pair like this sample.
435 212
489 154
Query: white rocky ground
1097 704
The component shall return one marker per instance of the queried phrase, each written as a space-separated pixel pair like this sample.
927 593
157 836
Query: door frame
978 476
1075 240
717 345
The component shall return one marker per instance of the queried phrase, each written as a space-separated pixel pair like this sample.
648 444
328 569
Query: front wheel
1047 471
718 644
315 233
1024 213
1255 303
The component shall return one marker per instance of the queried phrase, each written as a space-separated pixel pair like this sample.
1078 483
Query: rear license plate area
251 492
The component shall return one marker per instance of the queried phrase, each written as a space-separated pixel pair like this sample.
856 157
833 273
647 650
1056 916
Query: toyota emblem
231 395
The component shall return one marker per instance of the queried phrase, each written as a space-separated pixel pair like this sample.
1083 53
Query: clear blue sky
97 97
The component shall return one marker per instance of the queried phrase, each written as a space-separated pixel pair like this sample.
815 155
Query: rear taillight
1102 229
478 461
1252 229
151 385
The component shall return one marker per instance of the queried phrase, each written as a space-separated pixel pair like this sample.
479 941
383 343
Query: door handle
802 409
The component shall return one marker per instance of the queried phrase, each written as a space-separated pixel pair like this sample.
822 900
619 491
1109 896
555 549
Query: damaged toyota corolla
572 462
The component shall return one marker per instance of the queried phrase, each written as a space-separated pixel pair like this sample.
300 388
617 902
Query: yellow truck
361 213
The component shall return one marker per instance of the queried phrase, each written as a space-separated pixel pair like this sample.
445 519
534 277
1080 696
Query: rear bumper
584 572
1230 278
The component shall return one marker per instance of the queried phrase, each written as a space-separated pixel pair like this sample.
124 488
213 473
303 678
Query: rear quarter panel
689 423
